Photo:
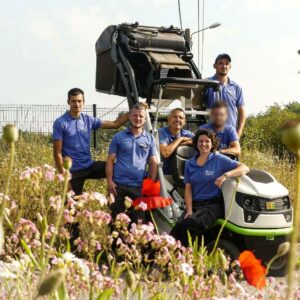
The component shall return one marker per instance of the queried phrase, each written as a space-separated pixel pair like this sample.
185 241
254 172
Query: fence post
94 132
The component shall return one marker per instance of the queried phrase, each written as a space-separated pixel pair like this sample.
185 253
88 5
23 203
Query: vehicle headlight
247 201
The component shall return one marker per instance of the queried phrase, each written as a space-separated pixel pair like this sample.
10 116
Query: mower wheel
229 248
278 267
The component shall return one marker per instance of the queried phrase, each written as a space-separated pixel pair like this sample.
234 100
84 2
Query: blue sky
47 47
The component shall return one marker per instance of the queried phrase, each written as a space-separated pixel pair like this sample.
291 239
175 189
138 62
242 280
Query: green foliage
263 131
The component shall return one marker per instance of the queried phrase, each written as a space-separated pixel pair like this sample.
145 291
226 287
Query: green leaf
156 296
98 257
29 253
68 246
105 295
63 292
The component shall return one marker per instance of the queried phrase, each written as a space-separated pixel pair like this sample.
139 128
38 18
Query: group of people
132 153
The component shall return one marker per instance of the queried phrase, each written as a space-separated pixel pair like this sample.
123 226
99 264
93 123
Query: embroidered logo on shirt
209 172
144 146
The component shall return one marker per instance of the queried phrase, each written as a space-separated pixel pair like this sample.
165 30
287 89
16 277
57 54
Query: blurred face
222 67
76 103
137 118
176 120
204 144
219 117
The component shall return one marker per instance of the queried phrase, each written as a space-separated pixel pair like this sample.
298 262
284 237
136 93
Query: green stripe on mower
254 231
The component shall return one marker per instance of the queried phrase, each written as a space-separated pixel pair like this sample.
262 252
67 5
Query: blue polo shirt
202 178
166 138
132 154
75 134
232 94
226 136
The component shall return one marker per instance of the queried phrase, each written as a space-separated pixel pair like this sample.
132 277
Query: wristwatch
226 175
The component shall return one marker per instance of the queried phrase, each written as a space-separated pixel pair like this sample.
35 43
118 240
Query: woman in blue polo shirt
203 177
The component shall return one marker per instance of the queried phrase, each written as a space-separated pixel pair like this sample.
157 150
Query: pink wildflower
143 206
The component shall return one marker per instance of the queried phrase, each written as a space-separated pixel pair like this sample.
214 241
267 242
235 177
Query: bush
263 131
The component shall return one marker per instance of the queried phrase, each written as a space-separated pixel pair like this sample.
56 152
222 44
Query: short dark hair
75 92
138 106
219 104
210 134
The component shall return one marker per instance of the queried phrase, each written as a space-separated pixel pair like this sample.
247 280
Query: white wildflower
187 269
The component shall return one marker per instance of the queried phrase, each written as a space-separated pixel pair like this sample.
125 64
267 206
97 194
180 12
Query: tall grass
281 168
191 272
30 154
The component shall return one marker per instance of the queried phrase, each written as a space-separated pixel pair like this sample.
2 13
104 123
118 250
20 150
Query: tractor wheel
229 248
278 267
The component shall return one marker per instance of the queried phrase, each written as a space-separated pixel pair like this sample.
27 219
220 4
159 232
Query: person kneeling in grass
203 177
71 137
130 152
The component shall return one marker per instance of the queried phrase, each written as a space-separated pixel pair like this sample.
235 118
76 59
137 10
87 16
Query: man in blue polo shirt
172 136
130 152
231 93
71 137
228 138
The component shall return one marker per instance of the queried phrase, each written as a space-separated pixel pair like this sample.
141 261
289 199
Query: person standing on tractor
231 93
172 136
130 152
203 177
71 137
228 139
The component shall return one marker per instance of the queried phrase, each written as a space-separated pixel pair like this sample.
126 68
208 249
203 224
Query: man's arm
241 120
188 142
152 167
57 153
234 148
109 169
121 120
167 150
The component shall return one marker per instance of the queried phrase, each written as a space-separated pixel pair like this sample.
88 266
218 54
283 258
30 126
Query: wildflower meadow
110 259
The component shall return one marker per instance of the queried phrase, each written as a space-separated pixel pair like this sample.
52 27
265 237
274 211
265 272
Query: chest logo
143 146
209 172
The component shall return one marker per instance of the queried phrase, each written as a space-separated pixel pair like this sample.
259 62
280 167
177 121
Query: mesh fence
35 121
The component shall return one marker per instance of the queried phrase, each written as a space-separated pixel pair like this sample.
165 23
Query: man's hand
241 120
219 181
111 187
145 104
188 214
239 133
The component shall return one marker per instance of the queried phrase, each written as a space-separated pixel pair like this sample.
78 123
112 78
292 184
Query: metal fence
35 122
